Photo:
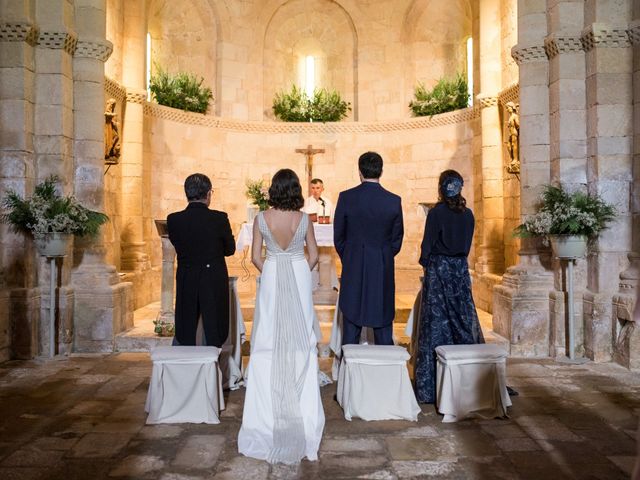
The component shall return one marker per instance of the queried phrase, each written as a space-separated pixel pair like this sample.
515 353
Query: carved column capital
486 100
528 53
634 32
558 43
603 35
136 96
99 49
19 32
63 40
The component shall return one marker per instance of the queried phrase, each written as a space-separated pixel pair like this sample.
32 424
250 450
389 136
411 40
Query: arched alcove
184 39
317 28
435 34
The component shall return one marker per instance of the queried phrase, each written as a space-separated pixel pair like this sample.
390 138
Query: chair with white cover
186 385
374 384
471 381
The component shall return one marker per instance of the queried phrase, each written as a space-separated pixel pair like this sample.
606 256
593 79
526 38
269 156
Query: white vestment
311 206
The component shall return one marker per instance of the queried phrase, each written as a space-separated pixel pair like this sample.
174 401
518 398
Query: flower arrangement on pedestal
50 217
183 91
323 106
567 219
446 96
258 193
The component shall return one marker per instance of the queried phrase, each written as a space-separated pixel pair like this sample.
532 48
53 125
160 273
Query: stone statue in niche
513 137
111 134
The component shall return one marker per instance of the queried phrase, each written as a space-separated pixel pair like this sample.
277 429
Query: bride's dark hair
449 190
285 192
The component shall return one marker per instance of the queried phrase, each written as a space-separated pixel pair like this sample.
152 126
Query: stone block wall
577 126
414 151
52 54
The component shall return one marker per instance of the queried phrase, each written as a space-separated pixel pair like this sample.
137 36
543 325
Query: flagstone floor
82 418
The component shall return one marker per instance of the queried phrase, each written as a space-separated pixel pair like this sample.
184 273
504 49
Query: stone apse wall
177 144
62 59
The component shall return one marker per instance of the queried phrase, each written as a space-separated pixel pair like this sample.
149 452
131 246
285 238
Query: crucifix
309 152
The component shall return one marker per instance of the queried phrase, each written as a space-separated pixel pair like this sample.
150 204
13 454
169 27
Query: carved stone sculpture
513 137
111 134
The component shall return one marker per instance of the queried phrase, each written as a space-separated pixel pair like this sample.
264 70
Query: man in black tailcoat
368 233
202 238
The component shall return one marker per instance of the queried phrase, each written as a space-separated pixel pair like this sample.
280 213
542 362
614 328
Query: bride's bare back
283 225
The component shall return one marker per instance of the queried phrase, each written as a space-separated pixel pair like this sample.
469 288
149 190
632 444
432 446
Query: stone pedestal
521 307
167 313
325 294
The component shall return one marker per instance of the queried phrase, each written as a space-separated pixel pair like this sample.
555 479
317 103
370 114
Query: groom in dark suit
367 233
202 238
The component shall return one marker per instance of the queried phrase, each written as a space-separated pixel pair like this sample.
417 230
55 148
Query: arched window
148 66
310 75
470 69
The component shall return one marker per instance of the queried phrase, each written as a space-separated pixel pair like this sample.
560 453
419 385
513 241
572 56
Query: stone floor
82 418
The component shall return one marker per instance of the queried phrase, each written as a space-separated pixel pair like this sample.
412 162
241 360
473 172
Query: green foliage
296 106
563 213
47 211
446 96
183 91
258 193
164 328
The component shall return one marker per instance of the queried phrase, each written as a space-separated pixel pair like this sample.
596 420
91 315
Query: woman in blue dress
447 314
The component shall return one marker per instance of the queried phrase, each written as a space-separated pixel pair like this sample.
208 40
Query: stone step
141 338
325 313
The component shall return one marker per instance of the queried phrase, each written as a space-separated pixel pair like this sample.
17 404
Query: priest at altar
318 204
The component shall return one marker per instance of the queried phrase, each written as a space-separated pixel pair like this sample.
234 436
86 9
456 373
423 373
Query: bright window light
470 69
310 75
148 66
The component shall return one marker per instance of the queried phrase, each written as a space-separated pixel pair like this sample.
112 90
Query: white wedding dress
283 417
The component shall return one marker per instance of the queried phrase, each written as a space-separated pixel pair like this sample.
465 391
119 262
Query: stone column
167 312
521 302
567 105
134 255
609 67
19 292
627 345
53 142
491 221
103 305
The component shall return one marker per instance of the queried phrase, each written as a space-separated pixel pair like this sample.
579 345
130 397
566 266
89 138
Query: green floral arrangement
258 193
164 328
563 213
296 106
446 96
183 91
48 212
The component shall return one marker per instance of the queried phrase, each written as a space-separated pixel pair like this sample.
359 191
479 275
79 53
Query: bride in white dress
283 417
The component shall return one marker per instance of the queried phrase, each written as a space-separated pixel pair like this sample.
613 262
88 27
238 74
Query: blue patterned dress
447 313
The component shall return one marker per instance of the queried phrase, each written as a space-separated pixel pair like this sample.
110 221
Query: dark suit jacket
367 233
202 238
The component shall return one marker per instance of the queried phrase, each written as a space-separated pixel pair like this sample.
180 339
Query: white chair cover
374 383
471 381
186 385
